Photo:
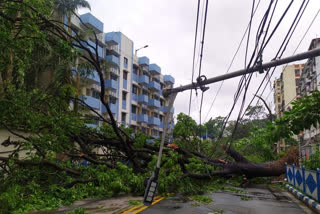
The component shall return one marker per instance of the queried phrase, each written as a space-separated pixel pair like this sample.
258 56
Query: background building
309 82
286 89
133 84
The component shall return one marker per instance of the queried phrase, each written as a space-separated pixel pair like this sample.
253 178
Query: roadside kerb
310 202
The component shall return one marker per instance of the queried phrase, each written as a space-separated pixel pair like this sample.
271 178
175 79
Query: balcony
113 38
91 46
134 117
94 77
143 99
154 121
165 109
168 79
91 101
143 118
134 97
113 108
113 50
161 125
144 60
114 70
135 77
154 69
155 86
154 103
92 22
143 80
111 84
113 59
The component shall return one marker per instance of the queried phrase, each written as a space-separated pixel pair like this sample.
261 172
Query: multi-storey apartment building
310 81
133 84
286 89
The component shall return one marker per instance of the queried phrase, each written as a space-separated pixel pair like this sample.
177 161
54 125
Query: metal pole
274 63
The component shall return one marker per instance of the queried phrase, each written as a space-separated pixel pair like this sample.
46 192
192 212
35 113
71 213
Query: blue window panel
144 60
113 108
154 103
154 86
92 21
114 59
91 101
125 65
125 85
143 99
143 118
94 76
111 84
134 97
124 104
154 69
161 125
154 121
135 77
165 109
168 79
113 38
143 80
134 117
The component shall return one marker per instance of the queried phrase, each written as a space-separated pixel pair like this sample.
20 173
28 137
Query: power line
232 60
194 52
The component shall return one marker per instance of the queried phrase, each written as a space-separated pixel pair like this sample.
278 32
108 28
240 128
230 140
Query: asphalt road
256 200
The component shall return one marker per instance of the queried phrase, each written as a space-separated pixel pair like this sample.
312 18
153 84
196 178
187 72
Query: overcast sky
168 26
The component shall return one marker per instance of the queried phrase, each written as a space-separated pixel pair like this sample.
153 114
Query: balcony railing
154 121
143 60
111 84
134 117
134 97
154 69
143 99
154 103
165 109
154 86
168 79
113 108
91 101
135 77
113 59
143 118
92 21
143 80
112 38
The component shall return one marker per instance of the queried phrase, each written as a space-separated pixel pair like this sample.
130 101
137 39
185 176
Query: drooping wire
194 52
232 60
201 57
281 49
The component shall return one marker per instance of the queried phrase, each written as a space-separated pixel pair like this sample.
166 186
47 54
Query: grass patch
134 202
202 199
244 198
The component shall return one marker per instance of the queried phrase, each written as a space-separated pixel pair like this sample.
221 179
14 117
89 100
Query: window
297 72
144 111
113 100
88 92
113 77
125 75
297 82
133 109
135 70
125 61
96 94
123 117
278 99
124 96
134 89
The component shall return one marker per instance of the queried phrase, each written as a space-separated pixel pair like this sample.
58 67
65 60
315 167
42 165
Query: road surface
259 200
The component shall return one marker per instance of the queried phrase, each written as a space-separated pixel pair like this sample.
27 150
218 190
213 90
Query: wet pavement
255 200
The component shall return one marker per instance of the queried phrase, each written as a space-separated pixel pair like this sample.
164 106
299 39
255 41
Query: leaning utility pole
172 93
